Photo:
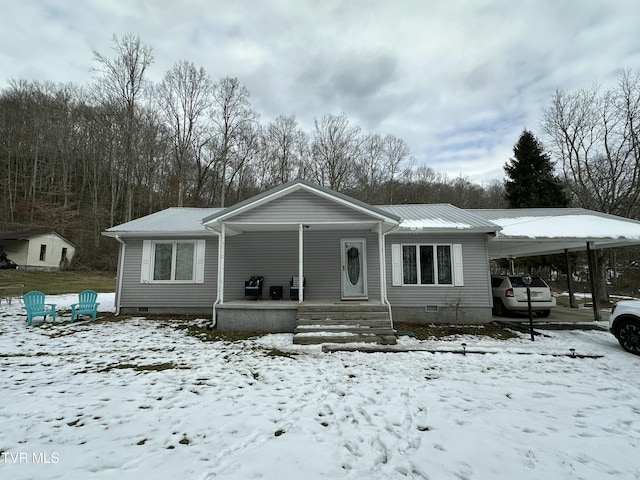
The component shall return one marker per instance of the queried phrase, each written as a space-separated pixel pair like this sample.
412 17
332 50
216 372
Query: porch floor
275 304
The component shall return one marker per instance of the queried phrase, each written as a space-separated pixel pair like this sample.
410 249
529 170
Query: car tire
498 308
628 335
543 313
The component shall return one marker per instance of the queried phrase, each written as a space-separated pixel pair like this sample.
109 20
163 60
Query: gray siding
476 291
301 207
177 297
274 255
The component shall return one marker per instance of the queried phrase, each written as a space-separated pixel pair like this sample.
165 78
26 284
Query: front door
354 269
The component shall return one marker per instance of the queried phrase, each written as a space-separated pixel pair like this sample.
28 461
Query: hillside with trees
81 158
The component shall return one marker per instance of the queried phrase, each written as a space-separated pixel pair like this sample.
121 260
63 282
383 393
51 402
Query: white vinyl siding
470 287
172 261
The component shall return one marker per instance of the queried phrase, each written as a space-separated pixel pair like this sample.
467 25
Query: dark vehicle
5 263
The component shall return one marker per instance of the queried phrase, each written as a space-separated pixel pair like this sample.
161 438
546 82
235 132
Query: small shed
37 249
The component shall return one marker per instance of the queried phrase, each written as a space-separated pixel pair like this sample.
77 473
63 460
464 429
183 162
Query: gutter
123 248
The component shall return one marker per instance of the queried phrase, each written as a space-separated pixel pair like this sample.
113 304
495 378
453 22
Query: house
419 263
37 249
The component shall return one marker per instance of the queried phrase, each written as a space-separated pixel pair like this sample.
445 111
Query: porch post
381 257
300 263
221 247
595 297
567 259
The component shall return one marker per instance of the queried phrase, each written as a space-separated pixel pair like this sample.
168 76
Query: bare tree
283 147
335 148
121 84
185 96
369 172
233 119
595 135
397 164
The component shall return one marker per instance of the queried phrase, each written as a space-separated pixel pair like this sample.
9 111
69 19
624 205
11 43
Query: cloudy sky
458 80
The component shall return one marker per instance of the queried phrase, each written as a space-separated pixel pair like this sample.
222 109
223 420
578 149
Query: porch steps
343 323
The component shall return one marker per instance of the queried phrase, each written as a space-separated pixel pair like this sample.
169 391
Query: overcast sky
458 80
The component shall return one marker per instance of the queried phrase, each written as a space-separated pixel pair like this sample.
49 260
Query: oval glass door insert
353 265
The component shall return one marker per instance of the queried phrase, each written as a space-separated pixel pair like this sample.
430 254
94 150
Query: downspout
300 263
123 247
382 246
220 280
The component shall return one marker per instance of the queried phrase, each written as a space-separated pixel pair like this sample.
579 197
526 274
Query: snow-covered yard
78 402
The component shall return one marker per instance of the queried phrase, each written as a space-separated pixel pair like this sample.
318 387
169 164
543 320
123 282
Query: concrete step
384 330
342 307
383 322
343 323
344 315
316 339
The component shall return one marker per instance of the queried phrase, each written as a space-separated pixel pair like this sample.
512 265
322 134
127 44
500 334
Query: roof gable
328 203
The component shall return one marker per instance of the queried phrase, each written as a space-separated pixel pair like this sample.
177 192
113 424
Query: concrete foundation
258 316
448 315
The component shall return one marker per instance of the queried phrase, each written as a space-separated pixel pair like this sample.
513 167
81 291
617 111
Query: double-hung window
179 261
425 264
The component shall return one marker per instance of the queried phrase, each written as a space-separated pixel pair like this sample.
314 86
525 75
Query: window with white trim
179 261
426 264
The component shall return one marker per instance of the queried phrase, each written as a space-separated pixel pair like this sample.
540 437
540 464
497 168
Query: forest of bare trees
80 158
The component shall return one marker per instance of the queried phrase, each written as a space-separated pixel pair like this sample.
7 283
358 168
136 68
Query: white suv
624 323
510 295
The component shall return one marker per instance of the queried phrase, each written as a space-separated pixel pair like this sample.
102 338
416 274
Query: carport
527 232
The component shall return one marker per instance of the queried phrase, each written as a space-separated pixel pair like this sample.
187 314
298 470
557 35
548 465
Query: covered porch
333 245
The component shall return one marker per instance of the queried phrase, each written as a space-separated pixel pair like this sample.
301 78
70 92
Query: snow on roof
561 223
438 216
171 220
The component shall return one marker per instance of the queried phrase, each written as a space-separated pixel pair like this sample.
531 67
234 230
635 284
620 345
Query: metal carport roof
542 231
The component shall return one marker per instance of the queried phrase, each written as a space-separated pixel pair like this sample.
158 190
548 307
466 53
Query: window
173 261
426 265
416 264
43 252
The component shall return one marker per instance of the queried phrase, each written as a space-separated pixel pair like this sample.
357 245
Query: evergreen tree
530 179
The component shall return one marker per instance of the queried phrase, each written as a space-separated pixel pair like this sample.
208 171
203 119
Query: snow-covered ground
72 406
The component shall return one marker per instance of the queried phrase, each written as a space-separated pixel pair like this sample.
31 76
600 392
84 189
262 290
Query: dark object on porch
6 263
253 287
275 292
294 287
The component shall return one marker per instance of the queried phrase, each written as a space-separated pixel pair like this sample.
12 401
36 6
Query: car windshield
535 282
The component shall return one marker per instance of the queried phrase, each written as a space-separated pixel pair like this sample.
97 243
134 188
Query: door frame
343 270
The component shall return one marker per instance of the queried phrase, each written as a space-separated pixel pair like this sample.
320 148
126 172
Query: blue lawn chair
86 305
35 306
